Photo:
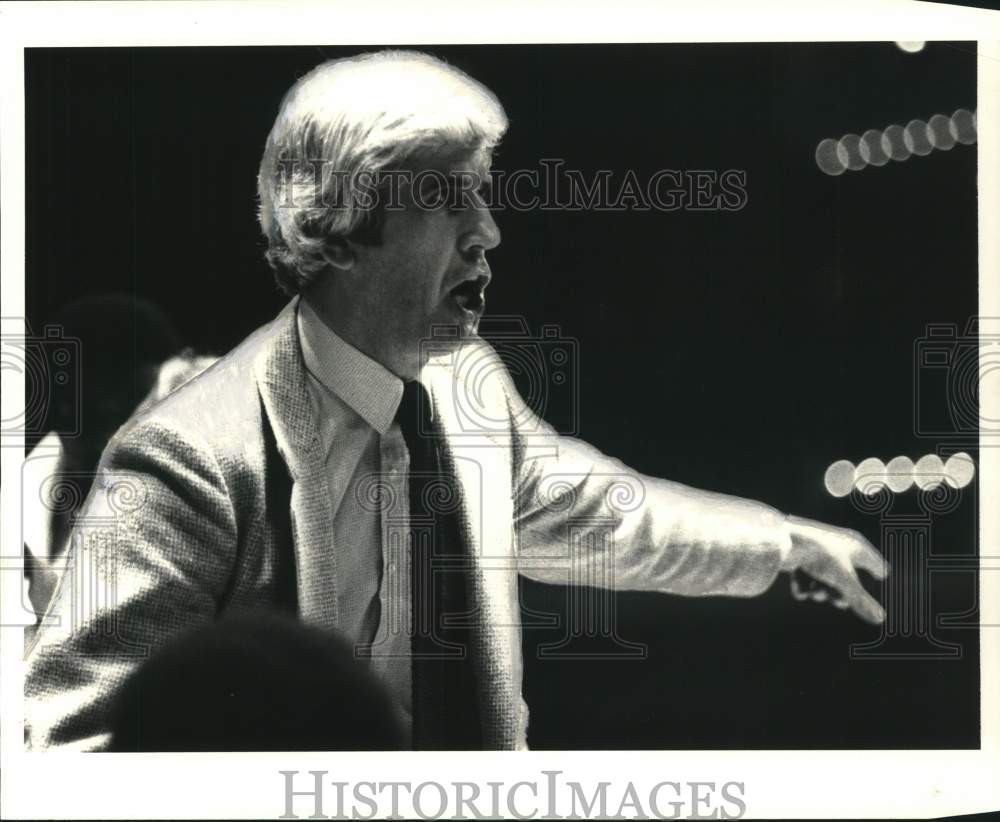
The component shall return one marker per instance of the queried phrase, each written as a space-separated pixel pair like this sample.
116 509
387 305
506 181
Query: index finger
866 606
859 600
868 559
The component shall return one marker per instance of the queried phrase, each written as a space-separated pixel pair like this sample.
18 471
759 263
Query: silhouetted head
254 683
123 340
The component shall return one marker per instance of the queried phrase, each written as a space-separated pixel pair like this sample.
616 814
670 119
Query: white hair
376 112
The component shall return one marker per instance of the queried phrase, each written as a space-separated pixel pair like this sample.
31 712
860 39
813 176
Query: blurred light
939 132
915 137
869 476
928 473
894 142
828 158
899 474
839 478
963 124
911 46
959 470
871 148
849 152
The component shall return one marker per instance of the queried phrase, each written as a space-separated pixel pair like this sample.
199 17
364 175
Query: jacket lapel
479 457
281 381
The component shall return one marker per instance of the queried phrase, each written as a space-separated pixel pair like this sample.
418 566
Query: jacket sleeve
151 555
584 518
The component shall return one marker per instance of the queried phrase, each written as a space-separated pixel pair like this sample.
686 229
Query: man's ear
339 254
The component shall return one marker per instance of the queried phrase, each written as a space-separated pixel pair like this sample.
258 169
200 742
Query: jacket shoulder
219 409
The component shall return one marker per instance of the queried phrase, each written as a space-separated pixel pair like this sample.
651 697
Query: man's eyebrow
480 176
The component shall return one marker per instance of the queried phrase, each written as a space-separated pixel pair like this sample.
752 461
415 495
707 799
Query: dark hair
123 339
254 682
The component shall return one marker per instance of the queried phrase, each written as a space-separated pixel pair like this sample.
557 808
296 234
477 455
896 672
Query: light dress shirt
355 400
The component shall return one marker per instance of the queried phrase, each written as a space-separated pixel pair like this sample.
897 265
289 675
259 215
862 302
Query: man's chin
455 328
443 337
470 327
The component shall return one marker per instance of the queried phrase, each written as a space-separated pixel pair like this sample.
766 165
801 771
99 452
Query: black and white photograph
625 404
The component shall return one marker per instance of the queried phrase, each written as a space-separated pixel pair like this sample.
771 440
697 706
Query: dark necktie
445 707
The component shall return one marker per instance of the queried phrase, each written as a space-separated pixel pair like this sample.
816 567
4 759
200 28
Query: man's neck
356 331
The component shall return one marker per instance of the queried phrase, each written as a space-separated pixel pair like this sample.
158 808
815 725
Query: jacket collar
281 381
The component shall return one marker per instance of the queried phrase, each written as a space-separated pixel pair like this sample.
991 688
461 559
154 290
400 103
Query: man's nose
483 230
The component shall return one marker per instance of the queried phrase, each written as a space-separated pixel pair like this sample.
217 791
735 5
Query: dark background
738 351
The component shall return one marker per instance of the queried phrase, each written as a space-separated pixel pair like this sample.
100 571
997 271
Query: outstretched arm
583 517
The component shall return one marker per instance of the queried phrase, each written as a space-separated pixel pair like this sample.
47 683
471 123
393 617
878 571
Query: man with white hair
365 461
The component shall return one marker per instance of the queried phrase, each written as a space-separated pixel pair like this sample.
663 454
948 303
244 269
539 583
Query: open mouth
469 295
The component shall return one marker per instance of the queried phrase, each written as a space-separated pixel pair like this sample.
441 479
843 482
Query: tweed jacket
216 500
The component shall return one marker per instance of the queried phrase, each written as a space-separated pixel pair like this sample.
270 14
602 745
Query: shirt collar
368 387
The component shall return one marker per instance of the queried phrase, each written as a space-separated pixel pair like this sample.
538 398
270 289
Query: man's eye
467 197
454 196
433 195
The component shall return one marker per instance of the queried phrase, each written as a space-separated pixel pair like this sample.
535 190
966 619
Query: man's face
430 268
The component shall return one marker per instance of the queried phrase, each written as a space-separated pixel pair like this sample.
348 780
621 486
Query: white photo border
804 784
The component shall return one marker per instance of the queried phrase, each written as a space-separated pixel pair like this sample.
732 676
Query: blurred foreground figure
123 342
254 683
